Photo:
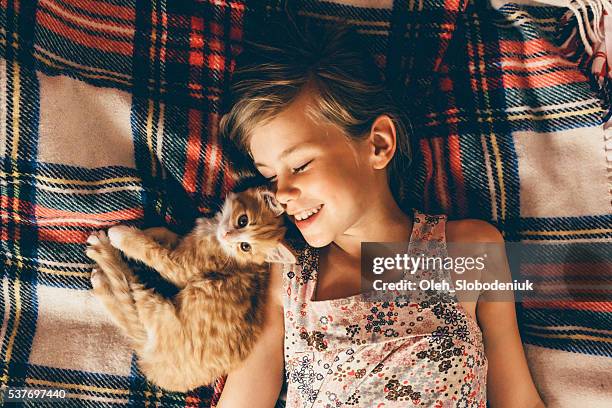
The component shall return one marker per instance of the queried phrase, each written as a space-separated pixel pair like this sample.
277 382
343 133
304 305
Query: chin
317 242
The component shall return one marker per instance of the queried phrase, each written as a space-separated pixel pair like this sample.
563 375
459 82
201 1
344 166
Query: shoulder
472 230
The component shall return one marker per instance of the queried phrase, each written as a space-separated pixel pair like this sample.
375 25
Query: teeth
305 214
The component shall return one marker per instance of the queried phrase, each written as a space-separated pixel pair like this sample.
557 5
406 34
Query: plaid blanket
109 112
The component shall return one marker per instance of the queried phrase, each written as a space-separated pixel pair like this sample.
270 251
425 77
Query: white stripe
81 191
552 107
489 178
533 64
160 132
52 221
51 263
7 309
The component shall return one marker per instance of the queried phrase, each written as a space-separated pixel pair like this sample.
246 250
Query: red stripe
63 236
51 6
25 207
196 42
216 62
193 150
164 34
569 292
566 270
453 5
196 39
81 224
542 80
192 401
572 305
526 47
80 37
103 8
216 29
237 17
121 215
40 212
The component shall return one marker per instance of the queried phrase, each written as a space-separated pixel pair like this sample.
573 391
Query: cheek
338 191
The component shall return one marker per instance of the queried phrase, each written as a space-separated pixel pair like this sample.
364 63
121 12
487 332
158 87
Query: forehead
292 127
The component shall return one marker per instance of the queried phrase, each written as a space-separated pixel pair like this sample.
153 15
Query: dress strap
298 279
427 227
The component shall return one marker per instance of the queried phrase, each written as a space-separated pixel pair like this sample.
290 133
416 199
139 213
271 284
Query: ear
280 254
382 141
272 203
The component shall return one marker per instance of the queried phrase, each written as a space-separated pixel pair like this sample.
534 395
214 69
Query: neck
384 222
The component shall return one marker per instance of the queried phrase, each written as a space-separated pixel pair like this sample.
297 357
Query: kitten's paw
98 246
97 238
95 278
117 235
99 282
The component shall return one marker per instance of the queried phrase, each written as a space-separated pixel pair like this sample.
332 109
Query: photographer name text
459 284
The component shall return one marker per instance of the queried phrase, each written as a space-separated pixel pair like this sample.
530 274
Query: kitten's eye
243 220
245 246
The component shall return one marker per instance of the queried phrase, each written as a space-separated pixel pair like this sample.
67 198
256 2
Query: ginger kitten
210 326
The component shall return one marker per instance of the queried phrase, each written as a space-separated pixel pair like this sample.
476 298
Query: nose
286 190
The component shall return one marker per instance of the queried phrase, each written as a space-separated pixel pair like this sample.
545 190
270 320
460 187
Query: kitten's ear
272 203
280 254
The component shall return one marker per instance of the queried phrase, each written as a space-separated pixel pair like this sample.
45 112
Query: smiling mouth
305 223
304 215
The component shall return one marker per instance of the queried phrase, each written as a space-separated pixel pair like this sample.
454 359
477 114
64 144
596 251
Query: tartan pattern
472 77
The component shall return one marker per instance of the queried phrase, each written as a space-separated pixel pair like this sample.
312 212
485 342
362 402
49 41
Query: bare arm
509 382
257 383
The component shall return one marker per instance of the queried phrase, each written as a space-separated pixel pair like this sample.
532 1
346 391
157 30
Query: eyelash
295 170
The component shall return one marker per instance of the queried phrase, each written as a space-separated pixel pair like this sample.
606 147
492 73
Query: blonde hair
348 89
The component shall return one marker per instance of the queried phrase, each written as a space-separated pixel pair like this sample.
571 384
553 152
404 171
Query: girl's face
321 178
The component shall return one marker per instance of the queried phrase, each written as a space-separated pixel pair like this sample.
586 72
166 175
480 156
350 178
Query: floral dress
422 351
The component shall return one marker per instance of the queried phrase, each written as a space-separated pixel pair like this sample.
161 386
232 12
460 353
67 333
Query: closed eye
293 170
301 168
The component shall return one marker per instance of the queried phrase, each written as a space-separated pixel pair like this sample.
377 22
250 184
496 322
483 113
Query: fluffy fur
210 326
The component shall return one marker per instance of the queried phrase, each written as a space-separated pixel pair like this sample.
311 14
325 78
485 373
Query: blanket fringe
589 28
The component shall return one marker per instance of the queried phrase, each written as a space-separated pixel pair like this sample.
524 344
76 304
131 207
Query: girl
314 115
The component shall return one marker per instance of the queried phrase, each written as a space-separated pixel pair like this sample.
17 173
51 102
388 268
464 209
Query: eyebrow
289 151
